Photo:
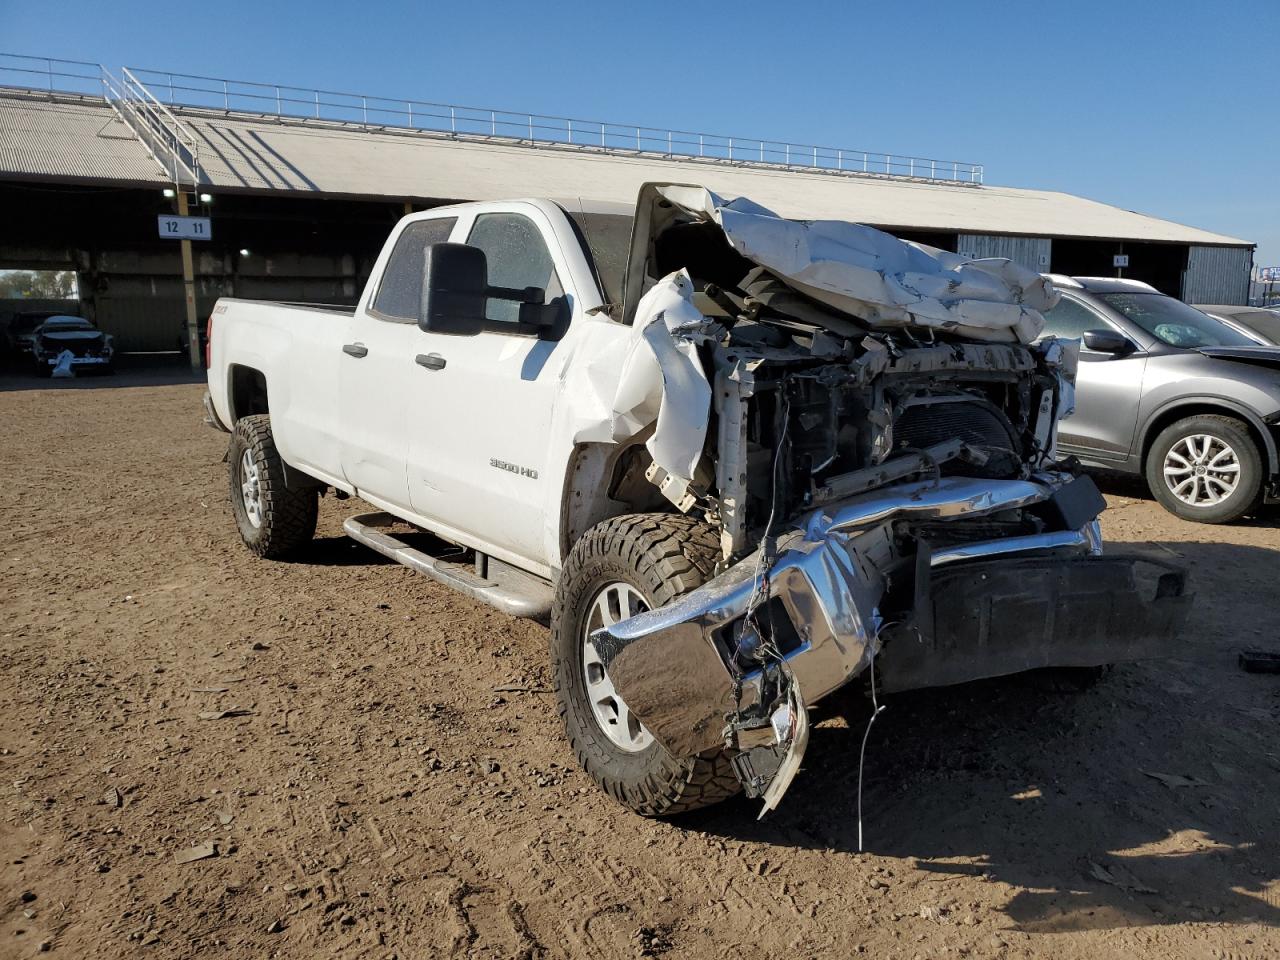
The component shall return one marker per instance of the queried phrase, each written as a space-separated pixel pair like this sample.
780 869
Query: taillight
208 343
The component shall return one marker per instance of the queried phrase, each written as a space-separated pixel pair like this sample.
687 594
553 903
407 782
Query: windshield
608 240
1173 322
61 324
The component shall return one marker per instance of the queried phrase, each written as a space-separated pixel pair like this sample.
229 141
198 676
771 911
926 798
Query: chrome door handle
432 361
355 349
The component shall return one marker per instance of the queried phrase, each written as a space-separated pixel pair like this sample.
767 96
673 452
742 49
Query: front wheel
1206 468
621 567
274 521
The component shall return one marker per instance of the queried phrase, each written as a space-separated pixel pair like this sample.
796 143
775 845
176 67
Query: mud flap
996 617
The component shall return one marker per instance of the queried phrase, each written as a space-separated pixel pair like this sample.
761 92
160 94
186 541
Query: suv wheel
1206 469
619 568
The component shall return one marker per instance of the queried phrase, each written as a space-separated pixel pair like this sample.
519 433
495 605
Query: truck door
480 416
1108 387
376 379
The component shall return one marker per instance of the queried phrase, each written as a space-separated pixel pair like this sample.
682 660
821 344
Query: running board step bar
511 590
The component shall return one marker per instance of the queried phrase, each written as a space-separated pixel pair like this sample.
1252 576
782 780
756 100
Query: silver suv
1169 392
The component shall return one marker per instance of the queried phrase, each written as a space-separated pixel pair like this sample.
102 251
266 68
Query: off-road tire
288 516
663 556
1248 493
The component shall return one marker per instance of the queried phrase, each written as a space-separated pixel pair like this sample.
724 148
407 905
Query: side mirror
456 292
1106 341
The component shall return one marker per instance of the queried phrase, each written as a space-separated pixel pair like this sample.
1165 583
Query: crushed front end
884 493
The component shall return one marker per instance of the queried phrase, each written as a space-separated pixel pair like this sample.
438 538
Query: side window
1070 320
517 257
400 292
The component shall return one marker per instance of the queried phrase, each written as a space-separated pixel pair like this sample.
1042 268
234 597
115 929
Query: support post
189 289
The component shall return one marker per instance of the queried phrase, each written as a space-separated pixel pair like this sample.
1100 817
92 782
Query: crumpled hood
858 270
1263 356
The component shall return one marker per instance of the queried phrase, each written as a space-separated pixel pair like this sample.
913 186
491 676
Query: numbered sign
1120 260
173 227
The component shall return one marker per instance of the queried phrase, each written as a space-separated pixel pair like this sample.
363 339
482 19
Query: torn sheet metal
1062 357
861 271
662 384
856 269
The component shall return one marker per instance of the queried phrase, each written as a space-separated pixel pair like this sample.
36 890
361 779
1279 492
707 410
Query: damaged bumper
991 618
762 636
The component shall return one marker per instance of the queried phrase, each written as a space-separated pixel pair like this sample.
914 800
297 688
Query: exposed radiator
925 423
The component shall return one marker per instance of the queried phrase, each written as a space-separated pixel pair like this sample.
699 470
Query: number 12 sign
184 228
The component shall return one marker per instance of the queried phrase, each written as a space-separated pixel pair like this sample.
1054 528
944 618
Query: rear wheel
1206 468
619 568
274 521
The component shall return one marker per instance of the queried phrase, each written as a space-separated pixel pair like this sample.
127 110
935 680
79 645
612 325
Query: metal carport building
304 185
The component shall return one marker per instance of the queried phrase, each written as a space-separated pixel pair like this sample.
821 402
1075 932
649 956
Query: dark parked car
1261 322
1166 391
18 335
90 348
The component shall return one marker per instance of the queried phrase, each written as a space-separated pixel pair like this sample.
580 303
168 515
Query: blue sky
1159 107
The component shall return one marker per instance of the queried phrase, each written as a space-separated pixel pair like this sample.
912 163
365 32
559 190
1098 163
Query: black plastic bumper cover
998 617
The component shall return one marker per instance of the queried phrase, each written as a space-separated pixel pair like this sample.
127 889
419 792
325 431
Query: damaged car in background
739 460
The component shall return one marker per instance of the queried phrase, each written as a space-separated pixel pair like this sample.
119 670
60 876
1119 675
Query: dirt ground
390 779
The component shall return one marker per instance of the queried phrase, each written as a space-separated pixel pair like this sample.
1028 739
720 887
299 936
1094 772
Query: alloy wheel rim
251 489
1201 470
612 604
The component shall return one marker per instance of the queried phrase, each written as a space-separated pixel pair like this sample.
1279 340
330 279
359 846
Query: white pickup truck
737 460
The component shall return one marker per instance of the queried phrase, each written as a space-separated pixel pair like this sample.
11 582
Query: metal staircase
170 142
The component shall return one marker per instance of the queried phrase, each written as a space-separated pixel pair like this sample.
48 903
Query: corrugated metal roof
248 153
72 139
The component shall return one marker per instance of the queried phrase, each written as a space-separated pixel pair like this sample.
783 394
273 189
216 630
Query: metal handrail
181 140
49 74
176 147
370 112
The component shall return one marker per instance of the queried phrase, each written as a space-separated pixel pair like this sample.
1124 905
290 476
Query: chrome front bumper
679 667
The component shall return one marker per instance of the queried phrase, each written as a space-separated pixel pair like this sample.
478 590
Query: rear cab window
606 239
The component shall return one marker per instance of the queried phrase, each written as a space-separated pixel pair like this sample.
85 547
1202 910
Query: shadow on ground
338 551
147 371
1056 794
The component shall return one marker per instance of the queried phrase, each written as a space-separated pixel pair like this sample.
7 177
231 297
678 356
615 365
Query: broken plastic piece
790 766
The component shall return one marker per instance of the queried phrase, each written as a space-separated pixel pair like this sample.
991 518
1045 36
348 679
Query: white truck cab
450 432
